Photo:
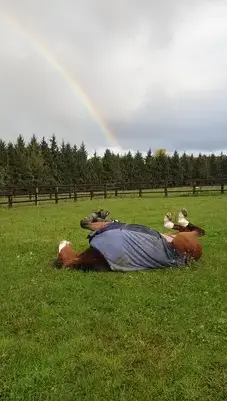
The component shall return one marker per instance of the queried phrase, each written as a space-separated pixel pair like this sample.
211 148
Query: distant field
67 336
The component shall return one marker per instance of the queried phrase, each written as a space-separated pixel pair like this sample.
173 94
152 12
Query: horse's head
66 255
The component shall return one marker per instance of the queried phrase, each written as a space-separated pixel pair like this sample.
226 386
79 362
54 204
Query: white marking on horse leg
168 221
63 244
182 221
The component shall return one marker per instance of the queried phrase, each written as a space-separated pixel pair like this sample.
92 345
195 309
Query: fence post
116 191
56 195
105 194
140 192
74 194
92 194
222 188
10 200
166 191
36 195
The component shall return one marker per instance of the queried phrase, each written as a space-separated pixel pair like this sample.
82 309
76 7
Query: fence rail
16 195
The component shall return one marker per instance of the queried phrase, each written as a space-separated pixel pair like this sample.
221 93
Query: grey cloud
155 70
190 138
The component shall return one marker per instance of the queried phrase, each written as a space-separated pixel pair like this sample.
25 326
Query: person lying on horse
124 247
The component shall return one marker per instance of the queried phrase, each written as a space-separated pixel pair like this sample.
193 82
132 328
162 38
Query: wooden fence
16 195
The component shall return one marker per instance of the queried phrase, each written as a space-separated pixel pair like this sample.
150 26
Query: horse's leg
90 259
93 226
96 220
183 224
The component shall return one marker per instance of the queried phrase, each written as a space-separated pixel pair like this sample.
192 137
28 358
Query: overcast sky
156 71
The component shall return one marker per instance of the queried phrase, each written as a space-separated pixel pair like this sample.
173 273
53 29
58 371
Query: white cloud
156 71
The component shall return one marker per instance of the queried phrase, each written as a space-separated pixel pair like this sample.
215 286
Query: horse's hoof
184 212
169 216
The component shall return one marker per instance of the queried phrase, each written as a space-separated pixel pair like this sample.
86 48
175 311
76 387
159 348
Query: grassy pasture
66 336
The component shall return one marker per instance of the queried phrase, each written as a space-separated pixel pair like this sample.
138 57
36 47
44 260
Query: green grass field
74 336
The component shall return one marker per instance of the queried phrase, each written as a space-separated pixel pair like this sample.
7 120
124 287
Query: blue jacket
128 247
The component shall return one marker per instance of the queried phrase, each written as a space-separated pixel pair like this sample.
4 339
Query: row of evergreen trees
46 163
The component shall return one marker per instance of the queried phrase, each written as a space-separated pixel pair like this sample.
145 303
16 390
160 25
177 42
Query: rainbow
72 83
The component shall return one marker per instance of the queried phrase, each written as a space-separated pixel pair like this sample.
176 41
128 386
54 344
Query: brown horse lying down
115 246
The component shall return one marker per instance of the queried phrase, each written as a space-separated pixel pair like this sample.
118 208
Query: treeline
46 163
